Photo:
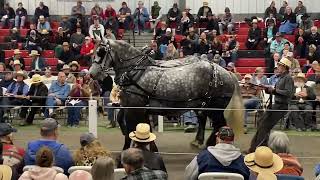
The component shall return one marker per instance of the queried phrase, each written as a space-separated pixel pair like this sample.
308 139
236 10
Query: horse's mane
124 49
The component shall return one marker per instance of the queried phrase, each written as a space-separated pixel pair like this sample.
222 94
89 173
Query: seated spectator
77 11
66 56
33 41
45 40
278 44
141 16
203 46
114 101
47 78
226 22
300 44
230 50
282 10
91 149
70 78
94 85
213 23
17 66
44 160
275 77
254 36
38 62
258 77
80 175
302 100
65 25
223 157
219 60
14 38
3 70
49 132
142 138
160 31
203 12
269 33
289 22
294 62
77 99
155 52
216 44
76 41
313 37
43 24
300 10
187 47
57 94
166 39
271 10
32 27
96 12
306 23
96 30
232 68
313 55
173 16
8 79
133 162
36 96
74 68
185 23
110 35
279 143
171 53
7 16
86 51
193 36
103 168
312 70
263 163
251 96
42 10
12 155
110 17
156 14
124 16
16 56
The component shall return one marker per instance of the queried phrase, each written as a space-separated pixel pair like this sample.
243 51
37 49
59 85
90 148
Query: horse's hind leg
202 119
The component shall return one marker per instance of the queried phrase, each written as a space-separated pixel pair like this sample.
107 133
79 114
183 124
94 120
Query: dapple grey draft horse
183 83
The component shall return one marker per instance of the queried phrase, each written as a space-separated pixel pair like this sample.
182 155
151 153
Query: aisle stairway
140 40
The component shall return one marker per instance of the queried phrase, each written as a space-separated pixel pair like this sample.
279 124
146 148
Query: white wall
63 7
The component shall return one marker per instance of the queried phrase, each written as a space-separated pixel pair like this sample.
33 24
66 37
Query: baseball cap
231 64
6 129
226 133
86 138
49 124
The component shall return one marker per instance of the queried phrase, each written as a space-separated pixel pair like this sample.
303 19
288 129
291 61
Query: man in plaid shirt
133 162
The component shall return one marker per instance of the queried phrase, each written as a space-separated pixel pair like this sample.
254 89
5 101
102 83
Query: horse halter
106 51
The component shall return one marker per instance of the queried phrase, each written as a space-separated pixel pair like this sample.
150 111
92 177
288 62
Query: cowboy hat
34 53
263 161
74 63
142 133
66 66
5 172
65 44
285 62
44 31
17 62
41 17
16 51
254 21
36 78
205 3
20 73
247 76
301 76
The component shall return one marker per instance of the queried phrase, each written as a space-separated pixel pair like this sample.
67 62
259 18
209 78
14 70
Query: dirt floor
175 148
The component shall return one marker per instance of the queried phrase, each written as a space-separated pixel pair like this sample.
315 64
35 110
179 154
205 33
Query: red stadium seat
179 38
5 32
9 53
55 25
48 54
250 62
242 38
27 61
24 32
290 38
243 31
242 46
2 39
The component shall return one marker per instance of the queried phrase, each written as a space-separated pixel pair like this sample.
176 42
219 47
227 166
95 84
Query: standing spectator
38 62
49 131
96 30
171 53
16 56
300 10
142 137
203 12
133 162
87 51
213 23
282 9
271 10
103 169
7 16
65 25
223 157
203 46
259 78
91 150
36 96
96 12
141 16
174 16
76 41
226 22
254 36
21 16
42 10
306 23
313 37
66 56
289 22
57 94
124 16
156 14
300 44
110 16
43 24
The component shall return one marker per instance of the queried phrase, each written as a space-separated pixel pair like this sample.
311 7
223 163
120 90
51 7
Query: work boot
190 129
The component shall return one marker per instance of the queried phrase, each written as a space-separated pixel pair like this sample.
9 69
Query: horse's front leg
202 118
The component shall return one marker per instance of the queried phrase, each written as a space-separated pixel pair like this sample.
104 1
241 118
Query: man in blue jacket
49 135
223 157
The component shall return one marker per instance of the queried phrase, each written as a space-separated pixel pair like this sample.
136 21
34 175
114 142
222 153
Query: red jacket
85 49
111 13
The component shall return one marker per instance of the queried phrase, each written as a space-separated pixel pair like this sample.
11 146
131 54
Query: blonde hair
88 154
103 169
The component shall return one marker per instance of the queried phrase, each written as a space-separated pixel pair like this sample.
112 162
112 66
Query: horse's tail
234 112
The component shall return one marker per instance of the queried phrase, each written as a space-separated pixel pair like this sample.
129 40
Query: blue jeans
74 112
139 23
19 21
51 101
190 117
252 103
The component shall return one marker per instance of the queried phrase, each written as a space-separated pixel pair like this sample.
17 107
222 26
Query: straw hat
254 21
44 31
34 53
41 17
36 78
301 76
142 133
247 76
20 73
16 62
16 51
5 172
65 67
74 63
205 3
285 62
264 162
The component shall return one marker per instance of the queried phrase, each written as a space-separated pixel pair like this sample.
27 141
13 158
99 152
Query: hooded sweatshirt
219 158
40 173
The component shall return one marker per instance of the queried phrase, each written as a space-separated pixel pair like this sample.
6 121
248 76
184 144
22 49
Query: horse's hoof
196 144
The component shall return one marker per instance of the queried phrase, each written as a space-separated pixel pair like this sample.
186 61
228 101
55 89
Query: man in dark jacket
36 96
204 12
174 15
282 91
66 56
223 157
213 23
7 16
254 36
42 10
313 37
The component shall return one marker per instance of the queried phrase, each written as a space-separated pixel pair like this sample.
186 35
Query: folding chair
220 176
